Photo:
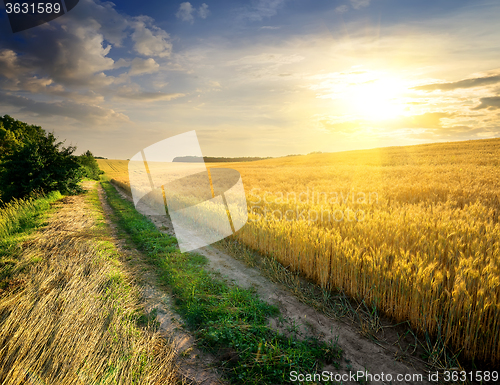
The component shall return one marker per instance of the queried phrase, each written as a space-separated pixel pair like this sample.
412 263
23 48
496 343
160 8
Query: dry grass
74 319
423 247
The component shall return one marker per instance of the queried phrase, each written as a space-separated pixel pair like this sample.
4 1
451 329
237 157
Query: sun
376 99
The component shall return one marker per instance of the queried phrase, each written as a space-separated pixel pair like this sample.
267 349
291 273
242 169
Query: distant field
412 230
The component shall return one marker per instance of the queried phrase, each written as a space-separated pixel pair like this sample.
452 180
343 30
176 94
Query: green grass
18 219
118 285
229 322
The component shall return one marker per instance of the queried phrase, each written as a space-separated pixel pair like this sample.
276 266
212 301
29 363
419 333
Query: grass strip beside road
229 322
74 316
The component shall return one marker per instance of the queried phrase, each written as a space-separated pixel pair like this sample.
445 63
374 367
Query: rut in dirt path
360 354
194 366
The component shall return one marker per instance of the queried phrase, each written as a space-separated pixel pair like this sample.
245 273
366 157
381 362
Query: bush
32 160
40 165
89 165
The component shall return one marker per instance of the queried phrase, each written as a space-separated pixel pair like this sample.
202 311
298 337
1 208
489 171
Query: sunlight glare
378 99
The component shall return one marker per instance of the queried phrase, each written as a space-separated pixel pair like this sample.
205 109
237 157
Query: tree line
216 159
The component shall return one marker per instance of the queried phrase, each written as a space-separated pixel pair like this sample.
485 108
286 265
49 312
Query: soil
359 353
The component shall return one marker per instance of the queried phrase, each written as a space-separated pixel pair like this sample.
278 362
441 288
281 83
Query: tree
7 140
38 163
91 169
19 130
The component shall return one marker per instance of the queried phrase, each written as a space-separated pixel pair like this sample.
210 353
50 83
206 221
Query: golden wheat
414 231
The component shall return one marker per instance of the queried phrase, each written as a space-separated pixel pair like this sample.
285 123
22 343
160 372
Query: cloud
261 9
150 40
91 114
358 4
149 96
9 64
82 54
267 58
66 64
466 83
140 66
75 50
76 57
111 24
203 11
264 65
269 27
426 120
455 133
185 12
491 103
342 9
215 84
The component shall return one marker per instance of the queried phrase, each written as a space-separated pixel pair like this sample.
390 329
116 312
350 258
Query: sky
259 77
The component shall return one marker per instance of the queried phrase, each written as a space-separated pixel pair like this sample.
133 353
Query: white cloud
266 59
342 9
79 56
185 12
358 4
264 65
141 66
150 40
83 53
137 66
262 9
64 70
214 84
203 11
9 63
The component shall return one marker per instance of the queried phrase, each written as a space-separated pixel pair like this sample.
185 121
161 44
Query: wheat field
411 230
